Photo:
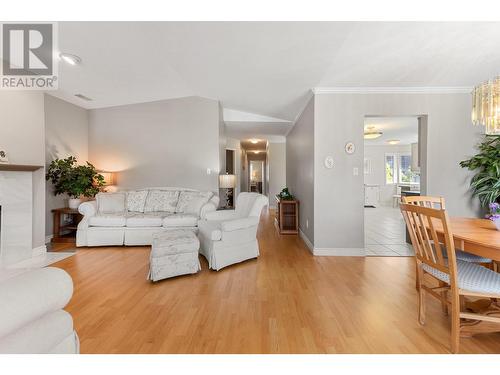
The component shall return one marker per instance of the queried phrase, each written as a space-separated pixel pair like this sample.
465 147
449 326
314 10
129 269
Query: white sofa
32 319
230 236
132 217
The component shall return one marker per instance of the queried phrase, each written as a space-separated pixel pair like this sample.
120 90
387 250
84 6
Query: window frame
397 168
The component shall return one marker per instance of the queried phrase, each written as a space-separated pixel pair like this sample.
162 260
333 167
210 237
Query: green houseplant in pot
75 180
485 184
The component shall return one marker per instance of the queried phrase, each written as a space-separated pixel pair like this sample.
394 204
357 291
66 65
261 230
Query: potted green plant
75 180
485 184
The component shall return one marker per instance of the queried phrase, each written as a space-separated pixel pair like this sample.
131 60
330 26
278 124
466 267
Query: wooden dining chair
458 278
438 202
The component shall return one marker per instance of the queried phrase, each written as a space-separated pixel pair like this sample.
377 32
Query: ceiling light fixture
486 106
254 141
371 133
70 59
393 141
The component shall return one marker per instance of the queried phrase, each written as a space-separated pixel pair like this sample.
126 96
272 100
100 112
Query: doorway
391 168
256 175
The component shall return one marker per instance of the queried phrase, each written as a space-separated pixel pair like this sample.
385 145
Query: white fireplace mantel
16 201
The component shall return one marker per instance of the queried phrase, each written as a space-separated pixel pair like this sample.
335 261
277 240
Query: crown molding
393 90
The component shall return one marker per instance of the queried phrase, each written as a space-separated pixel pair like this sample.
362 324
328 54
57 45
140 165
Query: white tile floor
385 233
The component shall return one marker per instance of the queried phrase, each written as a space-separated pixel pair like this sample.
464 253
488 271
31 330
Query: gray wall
164 143
22 135
277 170
339 118
66 134
300 149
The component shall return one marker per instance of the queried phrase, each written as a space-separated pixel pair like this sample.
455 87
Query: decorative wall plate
350 148
329 162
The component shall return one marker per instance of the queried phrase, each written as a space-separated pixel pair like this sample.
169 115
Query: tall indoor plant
75 180
485 184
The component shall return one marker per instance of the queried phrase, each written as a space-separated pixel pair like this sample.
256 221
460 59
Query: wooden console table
65 232
287 216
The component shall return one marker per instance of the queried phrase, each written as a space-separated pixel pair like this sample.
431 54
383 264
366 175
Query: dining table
479 237
476 236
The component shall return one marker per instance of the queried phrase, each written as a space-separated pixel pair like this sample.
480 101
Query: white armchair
230 236
32 319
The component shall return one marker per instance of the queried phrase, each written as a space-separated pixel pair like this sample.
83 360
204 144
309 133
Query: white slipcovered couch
230 236
132 217
32 319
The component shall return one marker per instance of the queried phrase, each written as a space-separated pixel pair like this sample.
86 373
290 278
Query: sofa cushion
180 220
107 220
161 201
153 219
191 202
210 229
110 203
136 200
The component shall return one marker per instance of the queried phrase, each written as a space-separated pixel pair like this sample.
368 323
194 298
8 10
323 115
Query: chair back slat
422 223
425 201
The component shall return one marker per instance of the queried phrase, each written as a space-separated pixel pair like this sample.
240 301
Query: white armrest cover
88 208
207 208
221 215
31 295
232 225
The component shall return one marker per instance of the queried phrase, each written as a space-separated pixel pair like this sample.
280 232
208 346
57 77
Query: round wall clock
350 148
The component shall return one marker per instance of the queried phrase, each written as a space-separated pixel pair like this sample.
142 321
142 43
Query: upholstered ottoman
173 253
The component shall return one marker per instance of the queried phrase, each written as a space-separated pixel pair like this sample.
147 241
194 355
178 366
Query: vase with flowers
494 214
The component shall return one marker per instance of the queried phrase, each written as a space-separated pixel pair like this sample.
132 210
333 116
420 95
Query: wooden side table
287 216
64 232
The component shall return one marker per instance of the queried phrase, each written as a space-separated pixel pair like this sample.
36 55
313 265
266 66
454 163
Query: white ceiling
267 68
404 129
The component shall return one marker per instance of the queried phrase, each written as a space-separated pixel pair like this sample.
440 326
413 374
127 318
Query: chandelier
486 106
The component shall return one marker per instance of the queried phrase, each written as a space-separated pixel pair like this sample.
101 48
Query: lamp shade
109 178
227 181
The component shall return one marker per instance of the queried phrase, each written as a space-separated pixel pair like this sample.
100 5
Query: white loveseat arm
88 209
31 295
210 206
232 225
221 215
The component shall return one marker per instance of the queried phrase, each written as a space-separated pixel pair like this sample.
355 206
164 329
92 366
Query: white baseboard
37 251
339 251
333 251
308 243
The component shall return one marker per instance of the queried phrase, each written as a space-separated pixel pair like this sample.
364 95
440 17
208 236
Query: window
390 170
398 170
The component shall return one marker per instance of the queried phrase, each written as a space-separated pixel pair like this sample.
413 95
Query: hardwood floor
287 301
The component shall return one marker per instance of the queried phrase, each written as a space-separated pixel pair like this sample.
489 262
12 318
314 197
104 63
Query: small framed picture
3 156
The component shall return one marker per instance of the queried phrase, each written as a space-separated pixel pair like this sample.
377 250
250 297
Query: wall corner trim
306 240
394 90
37 251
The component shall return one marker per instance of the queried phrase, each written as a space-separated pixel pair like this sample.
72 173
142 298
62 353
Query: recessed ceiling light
393 141
70 59
254 141
371 133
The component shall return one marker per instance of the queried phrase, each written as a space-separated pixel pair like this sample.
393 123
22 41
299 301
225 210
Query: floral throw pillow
191 202
136 200
161 200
